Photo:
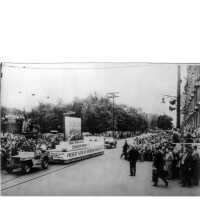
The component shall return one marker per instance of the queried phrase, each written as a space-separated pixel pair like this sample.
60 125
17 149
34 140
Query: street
102 175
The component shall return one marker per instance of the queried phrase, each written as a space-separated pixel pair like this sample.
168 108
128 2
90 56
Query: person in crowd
133 157
141 153
3 155
187 175
195 166
175 164
158 164
182 156
175 138
125 150
168 162
189 138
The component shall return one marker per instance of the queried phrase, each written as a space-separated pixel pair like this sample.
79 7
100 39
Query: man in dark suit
158 164
133 155
195 166
187 176
125 149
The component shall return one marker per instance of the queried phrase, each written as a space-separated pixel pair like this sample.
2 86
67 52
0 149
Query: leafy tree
164 122
95 112
153 122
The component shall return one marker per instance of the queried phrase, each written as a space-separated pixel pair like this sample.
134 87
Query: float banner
72 127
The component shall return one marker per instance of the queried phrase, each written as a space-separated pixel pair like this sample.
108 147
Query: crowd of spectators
181 160
12 144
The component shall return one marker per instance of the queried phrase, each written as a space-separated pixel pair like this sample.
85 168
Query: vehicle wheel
26 168
9 169
45 163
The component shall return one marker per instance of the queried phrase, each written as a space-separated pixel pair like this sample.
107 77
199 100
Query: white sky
142 86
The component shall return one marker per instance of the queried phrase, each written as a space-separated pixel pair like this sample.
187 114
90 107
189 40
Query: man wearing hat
187 176
158 165
195 166
133 157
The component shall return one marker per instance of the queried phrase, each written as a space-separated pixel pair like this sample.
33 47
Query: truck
28 160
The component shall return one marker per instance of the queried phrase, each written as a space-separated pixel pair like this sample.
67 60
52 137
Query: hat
188 146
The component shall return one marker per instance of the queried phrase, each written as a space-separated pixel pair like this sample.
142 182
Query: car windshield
110 139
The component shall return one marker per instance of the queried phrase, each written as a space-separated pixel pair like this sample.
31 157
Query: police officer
133 157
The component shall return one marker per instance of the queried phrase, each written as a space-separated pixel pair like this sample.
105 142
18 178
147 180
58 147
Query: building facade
191 96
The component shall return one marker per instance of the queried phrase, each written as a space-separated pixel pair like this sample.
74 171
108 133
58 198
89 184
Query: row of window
192 114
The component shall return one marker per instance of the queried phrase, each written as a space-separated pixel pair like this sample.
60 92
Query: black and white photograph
100 129
99 99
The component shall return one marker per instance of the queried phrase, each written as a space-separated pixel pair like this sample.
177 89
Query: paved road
102 175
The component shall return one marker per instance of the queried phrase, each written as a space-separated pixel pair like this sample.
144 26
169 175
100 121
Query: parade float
76 146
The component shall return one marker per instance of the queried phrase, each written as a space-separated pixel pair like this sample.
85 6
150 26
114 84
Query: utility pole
178 113
113 95
1 66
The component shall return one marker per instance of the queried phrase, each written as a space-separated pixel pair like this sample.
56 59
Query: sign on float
72 127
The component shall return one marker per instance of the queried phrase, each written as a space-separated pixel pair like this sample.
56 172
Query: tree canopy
96 113
164 122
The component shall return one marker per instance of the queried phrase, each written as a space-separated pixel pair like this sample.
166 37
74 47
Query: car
110 142
28 160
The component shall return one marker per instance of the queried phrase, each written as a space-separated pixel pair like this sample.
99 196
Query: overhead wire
31 65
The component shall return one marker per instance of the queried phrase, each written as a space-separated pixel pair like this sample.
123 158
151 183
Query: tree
95 112
153 122
165 122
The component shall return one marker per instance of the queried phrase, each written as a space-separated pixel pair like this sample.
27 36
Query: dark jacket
195 165
188 163
158 161
125 148
133 155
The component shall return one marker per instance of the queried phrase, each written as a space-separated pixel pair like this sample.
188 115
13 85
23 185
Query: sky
140 85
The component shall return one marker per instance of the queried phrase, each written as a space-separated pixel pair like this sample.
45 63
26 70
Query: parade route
102 175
